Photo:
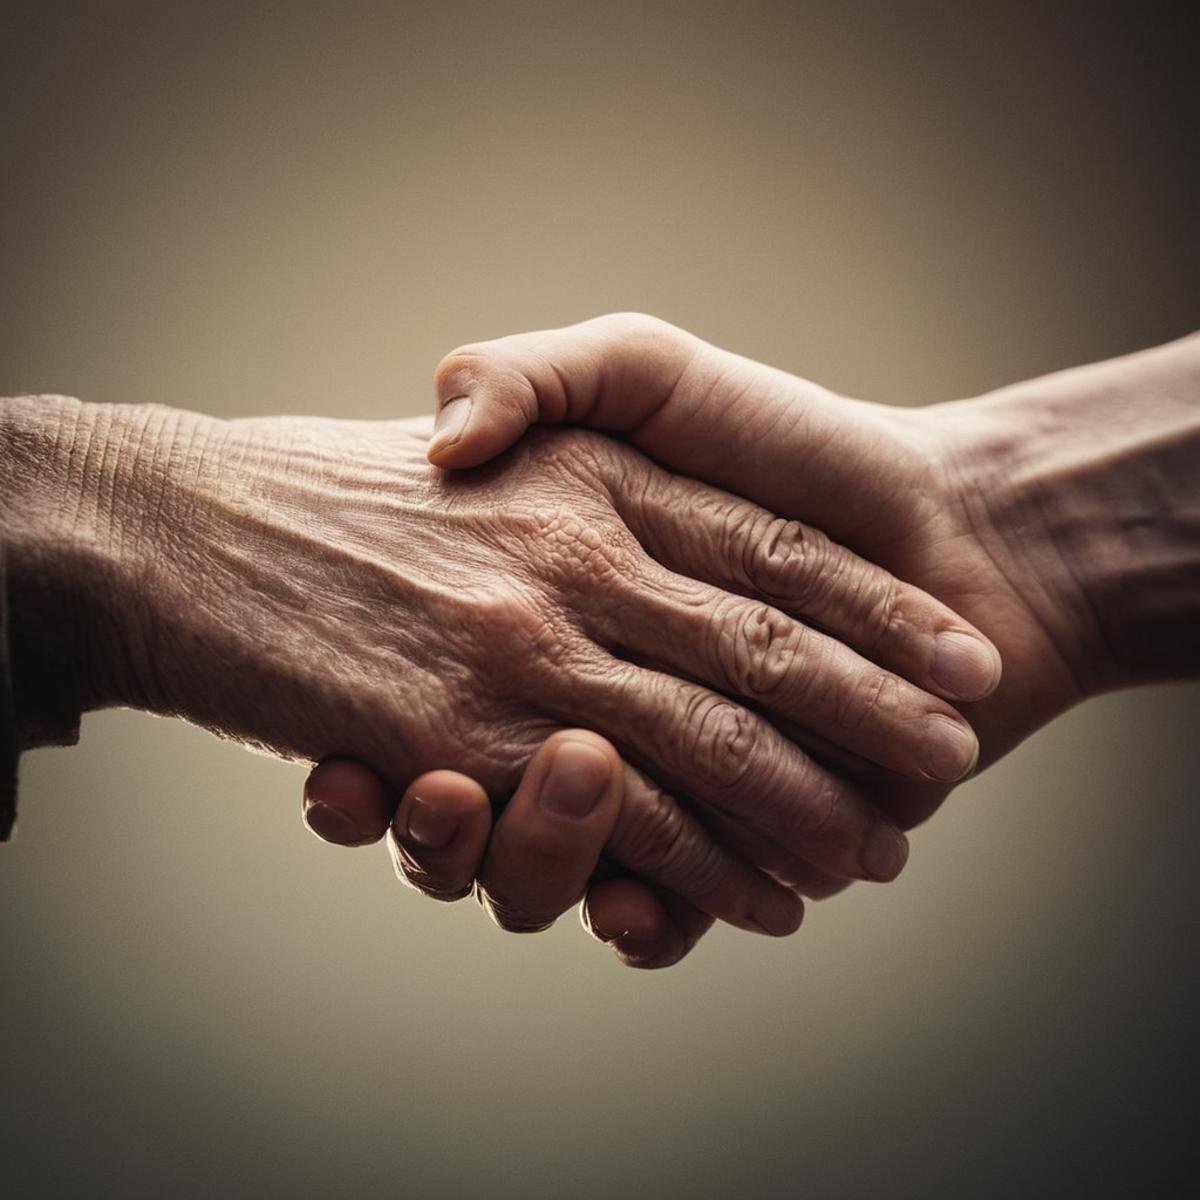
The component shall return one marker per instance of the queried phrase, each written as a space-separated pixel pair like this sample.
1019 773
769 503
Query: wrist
1086 485
54 546
81 498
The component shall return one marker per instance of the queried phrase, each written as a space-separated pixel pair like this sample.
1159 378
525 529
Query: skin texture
526 870
316 589
1059 515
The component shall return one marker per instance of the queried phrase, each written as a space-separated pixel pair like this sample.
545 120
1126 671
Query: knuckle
648 832
458 367
763 651
870 703
634 325
793 560
466 367
653 339
885 616
654 836
723 742
747 533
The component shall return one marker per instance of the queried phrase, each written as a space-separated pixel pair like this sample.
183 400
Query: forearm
1089 484
82 485
53 471
168 561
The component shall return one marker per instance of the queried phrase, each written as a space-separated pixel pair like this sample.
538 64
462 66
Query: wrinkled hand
535 862
899 486
920 492
314 587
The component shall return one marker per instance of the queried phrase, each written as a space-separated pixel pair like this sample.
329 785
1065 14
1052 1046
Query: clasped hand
781 703
696 674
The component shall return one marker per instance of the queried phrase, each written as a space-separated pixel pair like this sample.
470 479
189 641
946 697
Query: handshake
708 649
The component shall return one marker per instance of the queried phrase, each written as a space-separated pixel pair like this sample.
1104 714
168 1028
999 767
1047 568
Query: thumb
691 407
610 373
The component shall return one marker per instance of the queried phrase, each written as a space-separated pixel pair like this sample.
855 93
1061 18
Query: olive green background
298 209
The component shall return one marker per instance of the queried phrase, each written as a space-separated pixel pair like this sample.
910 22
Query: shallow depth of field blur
298 208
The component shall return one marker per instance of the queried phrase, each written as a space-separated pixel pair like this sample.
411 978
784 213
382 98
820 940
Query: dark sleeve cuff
8 718
37 715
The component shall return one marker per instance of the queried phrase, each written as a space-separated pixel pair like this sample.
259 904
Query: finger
658 839
690 406
906 802
749 650
725 757
548 840
655 837
796 875
645 928
609 373
346 803
707 534
438 836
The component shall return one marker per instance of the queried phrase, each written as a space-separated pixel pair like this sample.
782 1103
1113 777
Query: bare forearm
1089 481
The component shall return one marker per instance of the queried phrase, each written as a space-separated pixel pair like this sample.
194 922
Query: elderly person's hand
1058 514
533 860
315 588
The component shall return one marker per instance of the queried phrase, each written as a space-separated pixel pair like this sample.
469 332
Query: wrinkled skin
315 588
1037 512
901 487
1009 508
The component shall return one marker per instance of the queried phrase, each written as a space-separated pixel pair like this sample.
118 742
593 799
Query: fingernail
577 778
333 825
951 749
964 667
450 423
430 826
884 853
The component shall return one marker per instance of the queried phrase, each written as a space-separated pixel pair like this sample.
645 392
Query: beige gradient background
298 209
